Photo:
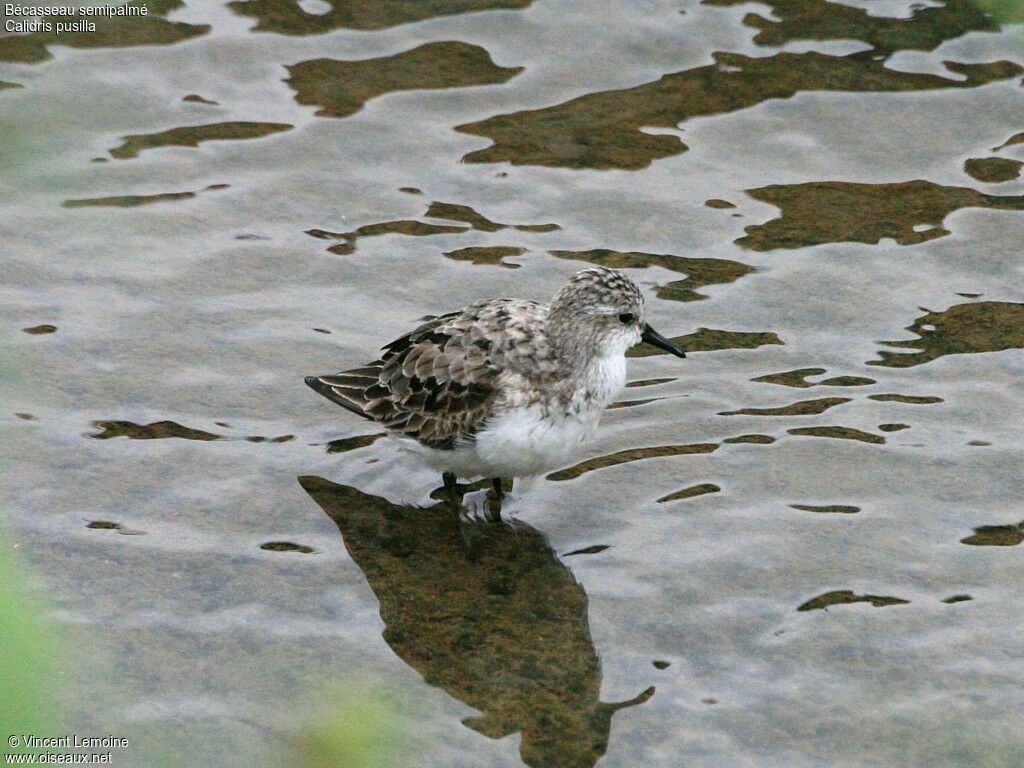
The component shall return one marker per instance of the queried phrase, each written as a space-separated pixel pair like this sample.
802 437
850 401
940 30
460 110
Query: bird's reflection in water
489 614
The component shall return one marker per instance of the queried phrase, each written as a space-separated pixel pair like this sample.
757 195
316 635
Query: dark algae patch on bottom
163 430
924 28
908 399
840 433
996 536
466 219
821 212
711 340
963 329
648 382
341 88
845 597
632 454
287 546
798 379
691 492
351 443
801 408
407 227
40 330
591 550
194 135
134 201
754 439
605 129
993 170
957 599
493 254
109 525
633 403
467 215
839 509
158 430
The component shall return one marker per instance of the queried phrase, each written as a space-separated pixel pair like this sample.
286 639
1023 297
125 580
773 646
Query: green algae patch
688 493
924 30
493 254
605 130
111 32
648 382
463 214
847 596
195 98
893 427
40 330
894 397
956 599
407 227
797 378
711 340
996 536
819 212
164 430
134 201
476 220
194 135
838 433
13 86
287 546
985 326
699 271
158 430
593 549
341 88
287 17
993 170
1017 138
847 381
827 509
633 403
754 439
630 455
346 444
801 408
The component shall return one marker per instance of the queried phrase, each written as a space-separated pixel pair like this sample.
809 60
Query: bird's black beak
655 339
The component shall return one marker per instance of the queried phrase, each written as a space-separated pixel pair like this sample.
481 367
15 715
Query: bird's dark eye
627 317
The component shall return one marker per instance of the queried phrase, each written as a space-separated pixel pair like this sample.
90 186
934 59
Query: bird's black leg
496 485
450 483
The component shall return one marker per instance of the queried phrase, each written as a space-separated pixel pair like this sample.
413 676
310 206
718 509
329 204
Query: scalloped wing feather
440 383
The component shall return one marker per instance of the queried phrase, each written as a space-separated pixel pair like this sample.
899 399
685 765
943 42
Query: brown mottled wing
438 384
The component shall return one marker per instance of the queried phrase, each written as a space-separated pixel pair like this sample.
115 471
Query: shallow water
197 213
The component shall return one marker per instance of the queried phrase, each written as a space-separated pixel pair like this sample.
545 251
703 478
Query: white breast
535 438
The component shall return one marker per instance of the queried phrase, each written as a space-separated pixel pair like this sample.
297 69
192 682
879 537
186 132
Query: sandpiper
505 387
